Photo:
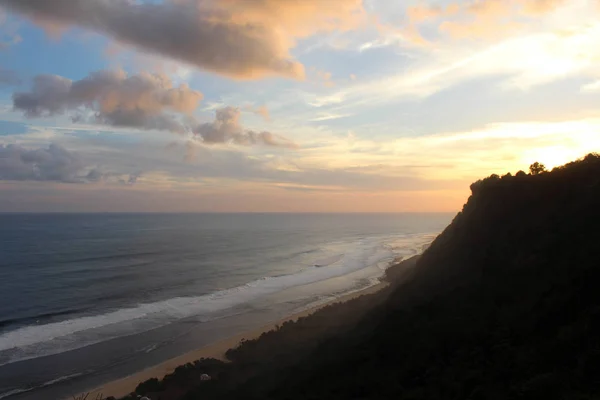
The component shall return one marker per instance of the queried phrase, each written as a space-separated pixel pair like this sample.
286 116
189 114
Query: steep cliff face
520 222
504 304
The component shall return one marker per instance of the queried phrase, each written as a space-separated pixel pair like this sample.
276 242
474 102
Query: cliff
505 304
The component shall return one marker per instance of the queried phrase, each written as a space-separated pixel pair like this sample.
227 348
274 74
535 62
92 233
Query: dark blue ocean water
74 285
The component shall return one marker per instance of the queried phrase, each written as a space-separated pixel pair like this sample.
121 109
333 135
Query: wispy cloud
518 64
328 117
591 87
396 100
360 167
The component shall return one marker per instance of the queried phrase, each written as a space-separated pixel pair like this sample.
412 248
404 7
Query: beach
125 386
187 287
394 275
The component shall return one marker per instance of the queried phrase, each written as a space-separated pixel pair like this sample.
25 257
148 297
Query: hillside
505 304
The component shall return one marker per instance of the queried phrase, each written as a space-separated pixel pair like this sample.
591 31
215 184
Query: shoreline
124 386
398 272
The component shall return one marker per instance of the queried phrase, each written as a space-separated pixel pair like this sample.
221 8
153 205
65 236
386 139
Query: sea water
87 298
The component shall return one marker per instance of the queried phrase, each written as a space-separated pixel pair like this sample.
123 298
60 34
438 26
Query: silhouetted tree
537 168
151 385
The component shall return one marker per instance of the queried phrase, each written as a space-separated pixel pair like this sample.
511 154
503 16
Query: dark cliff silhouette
505 304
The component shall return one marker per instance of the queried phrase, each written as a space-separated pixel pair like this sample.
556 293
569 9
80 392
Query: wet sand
398 273
125 386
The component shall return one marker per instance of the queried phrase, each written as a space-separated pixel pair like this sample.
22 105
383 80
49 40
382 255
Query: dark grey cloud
226 128
144 100
54 163
95 175
197 32
131 179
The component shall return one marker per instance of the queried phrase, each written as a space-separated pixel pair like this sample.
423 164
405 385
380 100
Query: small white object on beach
205 377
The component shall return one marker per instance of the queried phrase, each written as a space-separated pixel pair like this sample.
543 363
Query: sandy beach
124 386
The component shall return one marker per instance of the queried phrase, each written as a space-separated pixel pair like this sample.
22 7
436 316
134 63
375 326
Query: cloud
535 7
95 175
183 30
421 13
479 18
486 9
324 78
227 167
592 87
145 101
298 18
190 151
226 128
263 111
329 116
237 38
131 179
54 163
366 166
517 63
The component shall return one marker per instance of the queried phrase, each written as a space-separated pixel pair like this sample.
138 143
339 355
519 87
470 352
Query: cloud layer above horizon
280 105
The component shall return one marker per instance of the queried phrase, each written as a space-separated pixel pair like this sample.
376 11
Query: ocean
89 298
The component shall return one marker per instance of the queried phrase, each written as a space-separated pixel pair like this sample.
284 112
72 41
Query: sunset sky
283 105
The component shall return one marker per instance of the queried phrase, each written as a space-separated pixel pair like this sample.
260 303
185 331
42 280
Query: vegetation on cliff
505 304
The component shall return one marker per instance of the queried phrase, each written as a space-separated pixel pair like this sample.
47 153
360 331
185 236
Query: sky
285 105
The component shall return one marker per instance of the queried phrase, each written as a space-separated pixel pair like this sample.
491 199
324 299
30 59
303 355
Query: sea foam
333 260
